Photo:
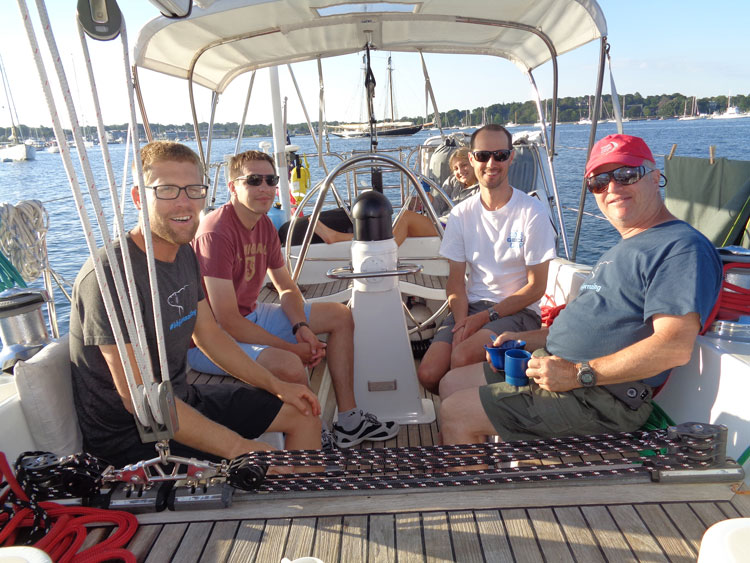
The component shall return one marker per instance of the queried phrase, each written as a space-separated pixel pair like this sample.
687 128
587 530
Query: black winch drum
22 328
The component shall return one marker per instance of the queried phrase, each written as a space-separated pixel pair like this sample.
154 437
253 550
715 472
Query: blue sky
658 46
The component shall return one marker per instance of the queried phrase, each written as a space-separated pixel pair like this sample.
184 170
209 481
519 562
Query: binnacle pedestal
385 380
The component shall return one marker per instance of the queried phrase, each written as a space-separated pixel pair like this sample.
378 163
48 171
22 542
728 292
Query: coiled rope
23 237
57 529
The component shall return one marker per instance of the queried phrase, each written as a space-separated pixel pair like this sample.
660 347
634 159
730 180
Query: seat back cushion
46 391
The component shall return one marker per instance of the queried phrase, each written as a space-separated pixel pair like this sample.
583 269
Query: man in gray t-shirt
635 318
215 421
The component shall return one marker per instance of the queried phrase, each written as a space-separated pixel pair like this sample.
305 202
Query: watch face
586 377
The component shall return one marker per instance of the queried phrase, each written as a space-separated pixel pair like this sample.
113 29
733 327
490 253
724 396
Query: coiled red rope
733 301
66 525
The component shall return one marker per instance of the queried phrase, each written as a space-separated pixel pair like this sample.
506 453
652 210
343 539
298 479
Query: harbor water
44 179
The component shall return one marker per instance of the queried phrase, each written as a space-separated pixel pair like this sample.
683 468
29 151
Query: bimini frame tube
307 117
550 144
430 94
244 115
279 142
210 134
592 138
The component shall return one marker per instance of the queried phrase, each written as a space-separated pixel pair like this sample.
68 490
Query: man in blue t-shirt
636 317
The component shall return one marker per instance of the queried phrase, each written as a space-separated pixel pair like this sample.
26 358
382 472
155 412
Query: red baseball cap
618 149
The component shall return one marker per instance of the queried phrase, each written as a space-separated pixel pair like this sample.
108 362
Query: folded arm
670 345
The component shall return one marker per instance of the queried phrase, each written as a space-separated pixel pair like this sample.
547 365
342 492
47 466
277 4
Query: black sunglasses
625 175
484 156
257 179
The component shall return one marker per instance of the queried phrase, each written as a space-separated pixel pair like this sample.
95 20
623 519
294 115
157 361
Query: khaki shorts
523 320
530 413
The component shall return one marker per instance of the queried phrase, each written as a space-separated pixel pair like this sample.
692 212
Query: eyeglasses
257 179
484 156
625 176
167 191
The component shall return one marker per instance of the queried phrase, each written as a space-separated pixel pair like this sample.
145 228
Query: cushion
46 391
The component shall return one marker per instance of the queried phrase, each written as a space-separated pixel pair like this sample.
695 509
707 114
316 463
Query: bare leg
329 235
471 350
336 320
412 224
302 432
287 366
463 420
466 377
434 365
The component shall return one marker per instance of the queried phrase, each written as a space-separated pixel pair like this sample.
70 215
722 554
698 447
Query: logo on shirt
174 300
515 240
249 267
176 297
590 284
251 250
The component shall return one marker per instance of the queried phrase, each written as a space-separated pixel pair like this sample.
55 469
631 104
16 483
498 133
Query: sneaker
370 428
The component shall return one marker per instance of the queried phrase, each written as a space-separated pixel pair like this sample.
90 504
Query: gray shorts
530 413
517 322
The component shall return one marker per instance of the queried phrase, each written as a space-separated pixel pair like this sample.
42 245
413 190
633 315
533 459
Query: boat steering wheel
362 161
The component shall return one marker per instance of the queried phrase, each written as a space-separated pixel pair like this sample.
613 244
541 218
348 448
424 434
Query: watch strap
298 326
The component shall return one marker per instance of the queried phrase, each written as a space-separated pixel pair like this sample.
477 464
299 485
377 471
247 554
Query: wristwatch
586 376
494 315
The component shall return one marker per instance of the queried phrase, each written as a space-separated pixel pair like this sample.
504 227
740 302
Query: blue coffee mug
516 362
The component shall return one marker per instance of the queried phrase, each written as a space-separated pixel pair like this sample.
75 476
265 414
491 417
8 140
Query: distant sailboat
513 123
693 111
17 149
387 127
624 119
586 120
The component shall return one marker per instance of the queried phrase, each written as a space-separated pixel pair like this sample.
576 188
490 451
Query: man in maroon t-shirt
236 246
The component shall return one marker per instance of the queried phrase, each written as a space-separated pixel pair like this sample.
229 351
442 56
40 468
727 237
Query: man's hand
310 350
553 373
469 325
299 396
504 337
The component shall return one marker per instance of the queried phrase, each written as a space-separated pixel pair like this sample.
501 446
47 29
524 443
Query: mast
15 132
390 87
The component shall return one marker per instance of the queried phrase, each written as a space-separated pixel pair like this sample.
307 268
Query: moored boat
17 152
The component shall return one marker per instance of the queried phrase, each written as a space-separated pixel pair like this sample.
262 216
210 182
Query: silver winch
22 328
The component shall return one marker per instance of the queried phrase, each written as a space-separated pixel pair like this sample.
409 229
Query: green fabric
714 198
658 419
9 276
744 456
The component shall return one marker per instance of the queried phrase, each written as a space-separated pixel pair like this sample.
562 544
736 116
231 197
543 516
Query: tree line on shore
570 109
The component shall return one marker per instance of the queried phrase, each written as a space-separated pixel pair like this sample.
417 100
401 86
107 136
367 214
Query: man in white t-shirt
503 239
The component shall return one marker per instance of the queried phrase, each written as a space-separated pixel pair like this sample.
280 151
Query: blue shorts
269 317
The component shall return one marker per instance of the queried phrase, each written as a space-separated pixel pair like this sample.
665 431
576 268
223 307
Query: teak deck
614 532
588 523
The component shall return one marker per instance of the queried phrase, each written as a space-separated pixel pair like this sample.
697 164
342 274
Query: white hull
17 153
